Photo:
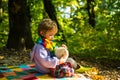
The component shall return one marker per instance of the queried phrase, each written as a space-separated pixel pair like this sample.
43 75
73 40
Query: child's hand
61 60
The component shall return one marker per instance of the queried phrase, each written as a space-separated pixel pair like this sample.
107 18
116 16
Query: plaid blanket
28 72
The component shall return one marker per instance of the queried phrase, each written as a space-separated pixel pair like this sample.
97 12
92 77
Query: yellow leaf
75 3
1 57
83 69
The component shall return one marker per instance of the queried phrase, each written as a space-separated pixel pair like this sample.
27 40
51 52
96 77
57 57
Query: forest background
90 28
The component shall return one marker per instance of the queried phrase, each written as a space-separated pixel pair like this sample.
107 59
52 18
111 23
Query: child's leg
62 70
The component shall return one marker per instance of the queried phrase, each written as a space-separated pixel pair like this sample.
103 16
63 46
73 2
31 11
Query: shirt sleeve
42 56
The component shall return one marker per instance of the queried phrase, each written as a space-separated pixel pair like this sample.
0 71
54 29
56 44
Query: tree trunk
0 3
90 9
0 11
50 9
19 25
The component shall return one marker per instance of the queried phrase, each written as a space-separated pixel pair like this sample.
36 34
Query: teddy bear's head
61 52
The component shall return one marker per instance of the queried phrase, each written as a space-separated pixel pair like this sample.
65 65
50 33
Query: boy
43 51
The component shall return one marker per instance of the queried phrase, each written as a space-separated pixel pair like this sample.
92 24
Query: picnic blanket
28 72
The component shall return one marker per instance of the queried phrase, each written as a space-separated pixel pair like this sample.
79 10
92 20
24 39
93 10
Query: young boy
43 51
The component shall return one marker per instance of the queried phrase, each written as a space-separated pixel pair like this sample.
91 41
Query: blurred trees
0 10
91 12
90 27
50 9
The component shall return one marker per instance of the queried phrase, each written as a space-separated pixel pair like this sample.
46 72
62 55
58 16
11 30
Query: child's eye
51 35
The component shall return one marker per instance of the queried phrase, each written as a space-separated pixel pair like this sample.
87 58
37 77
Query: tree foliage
102 40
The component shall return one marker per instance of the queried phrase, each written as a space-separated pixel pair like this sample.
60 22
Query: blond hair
46 25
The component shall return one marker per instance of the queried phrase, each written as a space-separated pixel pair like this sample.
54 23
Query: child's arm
62 60
42 57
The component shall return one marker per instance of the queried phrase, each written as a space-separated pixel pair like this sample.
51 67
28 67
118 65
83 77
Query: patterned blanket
28 72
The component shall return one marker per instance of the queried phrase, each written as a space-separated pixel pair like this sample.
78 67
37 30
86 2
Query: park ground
108 68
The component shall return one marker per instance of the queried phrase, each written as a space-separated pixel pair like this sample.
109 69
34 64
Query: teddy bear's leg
72 61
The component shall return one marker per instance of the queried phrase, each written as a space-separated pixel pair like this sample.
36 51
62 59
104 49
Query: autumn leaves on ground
108 69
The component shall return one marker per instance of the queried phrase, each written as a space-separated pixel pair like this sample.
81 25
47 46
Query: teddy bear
62 52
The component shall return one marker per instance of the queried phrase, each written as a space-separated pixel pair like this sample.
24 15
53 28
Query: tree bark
50 9
19 25
91 14
0 11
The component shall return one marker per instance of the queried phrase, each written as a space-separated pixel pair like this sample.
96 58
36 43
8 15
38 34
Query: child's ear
41 33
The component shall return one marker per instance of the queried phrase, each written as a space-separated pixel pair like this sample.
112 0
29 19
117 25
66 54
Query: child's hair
46 25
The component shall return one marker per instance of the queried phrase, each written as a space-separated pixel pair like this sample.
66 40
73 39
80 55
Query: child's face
50 34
